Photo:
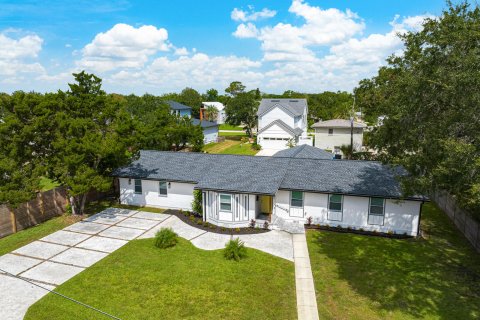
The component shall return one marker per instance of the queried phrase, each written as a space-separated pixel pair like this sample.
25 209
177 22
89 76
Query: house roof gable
293 107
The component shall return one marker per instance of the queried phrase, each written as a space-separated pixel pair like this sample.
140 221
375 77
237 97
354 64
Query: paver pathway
60 256
306 299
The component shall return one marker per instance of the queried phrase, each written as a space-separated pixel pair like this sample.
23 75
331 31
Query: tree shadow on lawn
437 277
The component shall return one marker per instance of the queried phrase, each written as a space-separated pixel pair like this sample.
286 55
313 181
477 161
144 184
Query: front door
266 206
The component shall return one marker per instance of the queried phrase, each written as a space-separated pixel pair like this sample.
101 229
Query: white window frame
166 188
336 211
291 198
220 202
376 214
135 186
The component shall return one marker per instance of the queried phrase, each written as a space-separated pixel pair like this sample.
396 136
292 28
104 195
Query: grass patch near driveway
362 277
229 134
230 147
21 238
225 126
140 281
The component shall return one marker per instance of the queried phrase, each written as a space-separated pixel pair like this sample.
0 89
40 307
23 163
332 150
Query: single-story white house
332 134
285 189
220 107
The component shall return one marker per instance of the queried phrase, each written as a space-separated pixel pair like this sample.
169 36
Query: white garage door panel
273 143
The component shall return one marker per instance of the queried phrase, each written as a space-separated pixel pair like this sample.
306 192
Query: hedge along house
284 189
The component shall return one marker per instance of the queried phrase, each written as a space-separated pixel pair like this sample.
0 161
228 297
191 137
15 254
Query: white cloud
181 51
123 46
199 71
246 31
18 57
251 15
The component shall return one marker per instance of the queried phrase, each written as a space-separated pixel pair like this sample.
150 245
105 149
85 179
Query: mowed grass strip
362 277
140 281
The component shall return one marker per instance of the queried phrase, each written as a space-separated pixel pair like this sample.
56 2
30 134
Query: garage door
274 143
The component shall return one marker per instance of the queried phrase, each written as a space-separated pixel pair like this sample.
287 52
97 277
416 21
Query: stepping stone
119 212
51 272
121 233
138 223
86 227
102 244
66 238
42 250
17 264
106 218
79 257
151 215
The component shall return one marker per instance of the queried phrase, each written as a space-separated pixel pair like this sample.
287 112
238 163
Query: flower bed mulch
185 216
356 231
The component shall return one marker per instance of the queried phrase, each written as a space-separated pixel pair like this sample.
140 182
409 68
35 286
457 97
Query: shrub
235 250
197 202
252 223
339 227
205 224
212 226
256 146
191 218
265 225
224 229
199 221
361 229
237 230
390 232
309 221
165 238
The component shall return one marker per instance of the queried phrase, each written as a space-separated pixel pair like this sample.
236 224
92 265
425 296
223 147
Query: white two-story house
332 134
281 121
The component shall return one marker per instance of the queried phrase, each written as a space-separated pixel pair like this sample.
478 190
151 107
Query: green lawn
140 281
361 277
225 126
26 236
230 147
231 134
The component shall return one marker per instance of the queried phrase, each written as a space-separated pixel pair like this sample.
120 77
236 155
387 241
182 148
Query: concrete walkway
60 256
306 298
267 152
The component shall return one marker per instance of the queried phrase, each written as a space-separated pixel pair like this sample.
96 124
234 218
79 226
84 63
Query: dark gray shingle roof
295 107
204 123
305 152
265 175
177 106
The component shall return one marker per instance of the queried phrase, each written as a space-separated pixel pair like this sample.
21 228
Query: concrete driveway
60 256
267 152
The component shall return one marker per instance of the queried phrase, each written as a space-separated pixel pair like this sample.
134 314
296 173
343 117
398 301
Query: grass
47 184
230 147
21 238
361 277
232 134
140 281
225 126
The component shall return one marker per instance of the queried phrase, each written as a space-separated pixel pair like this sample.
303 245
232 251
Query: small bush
212 226
224 229
205 224
235 250
199 221
165 238
265 225
339 227
390 232
237 230
191 218
361 229
252 223
309 221
256 146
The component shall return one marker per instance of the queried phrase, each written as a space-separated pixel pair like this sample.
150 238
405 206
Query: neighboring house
332 134
285 189
179 109
221 110
210 129
281 121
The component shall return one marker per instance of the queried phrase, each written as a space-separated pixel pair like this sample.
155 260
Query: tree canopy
431 103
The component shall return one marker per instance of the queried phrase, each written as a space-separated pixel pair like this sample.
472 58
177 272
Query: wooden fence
462 219
45 206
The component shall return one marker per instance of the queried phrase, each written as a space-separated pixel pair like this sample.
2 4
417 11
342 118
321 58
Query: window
330 132
162 188
296 199
377 206
376 211
335 207
138 186
226 202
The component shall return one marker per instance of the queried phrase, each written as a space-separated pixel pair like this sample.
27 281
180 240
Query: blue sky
164 46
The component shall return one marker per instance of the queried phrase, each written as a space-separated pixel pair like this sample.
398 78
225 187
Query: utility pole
352 117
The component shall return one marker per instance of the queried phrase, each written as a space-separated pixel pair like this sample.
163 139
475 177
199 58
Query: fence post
13 220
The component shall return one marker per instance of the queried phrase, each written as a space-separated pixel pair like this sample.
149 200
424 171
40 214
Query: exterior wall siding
340 136
400 216
275 114
210 134
179 195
